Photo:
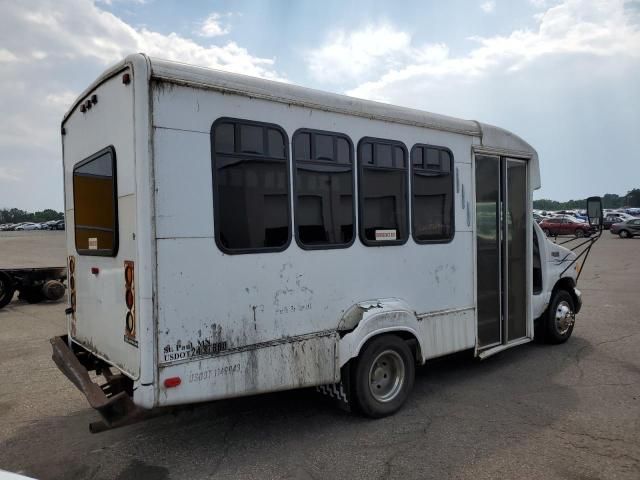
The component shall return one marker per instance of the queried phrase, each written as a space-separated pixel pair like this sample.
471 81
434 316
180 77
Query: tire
7 290
383 376
559 318
624 234
579 233
547 232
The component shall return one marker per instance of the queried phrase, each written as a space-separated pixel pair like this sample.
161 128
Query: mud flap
339 393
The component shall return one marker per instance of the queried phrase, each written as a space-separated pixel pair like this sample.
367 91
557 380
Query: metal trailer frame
32 284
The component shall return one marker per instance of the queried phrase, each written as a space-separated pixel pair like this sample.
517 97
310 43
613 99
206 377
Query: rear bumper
111 399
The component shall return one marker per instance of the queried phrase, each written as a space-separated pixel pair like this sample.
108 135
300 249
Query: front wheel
624 234
384 376
579 233
547 232
559 318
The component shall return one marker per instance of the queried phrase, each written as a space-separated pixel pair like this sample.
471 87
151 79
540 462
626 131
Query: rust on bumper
111 399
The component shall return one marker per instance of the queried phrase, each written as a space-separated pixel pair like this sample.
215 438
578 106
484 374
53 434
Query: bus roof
492 139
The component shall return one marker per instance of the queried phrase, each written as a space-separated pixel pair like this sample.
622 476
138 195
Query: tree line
609 200
15 215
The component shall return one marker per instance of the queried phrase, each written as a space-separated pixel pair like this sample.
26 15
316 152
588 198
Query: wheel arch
569 285
365 321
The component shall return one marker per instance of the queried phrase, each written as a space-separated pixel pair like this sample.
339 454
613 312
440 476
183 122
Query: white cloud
7 56
488 6
349 55
596 28
51 50
538 3
9 175
212 27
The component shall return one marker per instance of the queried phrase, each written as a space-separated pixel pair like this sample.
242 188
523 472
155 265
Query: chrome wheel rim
623 234
386 376
564 317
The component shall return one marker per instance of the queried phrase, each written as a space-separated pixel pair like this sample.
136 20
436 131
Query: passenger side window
250 186
382 189
323 180
432 190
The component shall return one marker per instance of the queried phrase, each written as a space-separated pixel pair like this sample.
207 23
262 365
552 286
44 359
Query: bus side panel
286 365
211 304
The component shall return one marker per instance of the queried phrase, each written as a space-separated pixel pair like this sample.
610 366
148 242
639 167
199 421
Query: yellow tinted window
94 201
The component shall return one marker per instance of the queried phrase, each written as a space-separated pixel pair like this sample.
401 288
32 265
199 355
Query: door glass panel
488 249
517 222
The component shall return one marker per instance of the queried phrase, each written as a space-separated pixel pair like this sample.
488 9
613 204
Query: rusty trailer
32 284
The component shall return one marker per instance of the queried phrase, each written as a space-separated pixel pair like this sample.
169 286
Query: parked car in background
626 229
52 225
566 226
29 226
57 225
624 216
538 218
610 220
569 217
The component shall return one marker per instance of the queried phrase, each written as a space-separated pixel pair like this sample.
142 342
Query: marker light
126 79
129 299
128 274
172 382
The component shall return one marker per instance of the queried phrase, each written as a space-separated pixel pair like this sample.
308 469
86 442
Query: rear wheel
559 318
624 234
384 376
6 289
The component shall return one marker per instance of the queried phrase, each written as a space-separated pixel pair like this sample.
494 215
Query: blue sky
563 74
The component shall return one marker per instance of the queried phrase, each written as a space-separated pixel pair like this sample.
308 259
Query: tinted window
432 187
382 187
95 204
324 208
250 185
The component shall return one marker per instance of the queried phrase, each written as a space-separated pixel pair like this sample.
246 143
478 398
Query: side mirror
594 211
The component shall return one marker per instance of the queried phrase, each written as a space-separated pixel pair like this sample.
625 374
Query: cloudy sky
564 75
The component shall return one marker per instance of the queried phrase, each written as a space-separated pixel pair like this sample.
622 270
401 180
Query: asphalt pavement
533 412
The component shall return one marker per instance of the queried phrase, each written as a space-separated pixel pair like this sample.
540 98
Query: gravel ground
535 411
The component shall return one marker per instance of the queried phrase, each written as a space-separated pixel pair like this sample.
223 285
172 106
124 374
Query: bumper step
111 399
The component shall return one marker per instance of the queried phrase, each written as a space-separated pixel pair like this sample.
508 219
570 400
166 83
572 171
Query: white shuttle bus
229 236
